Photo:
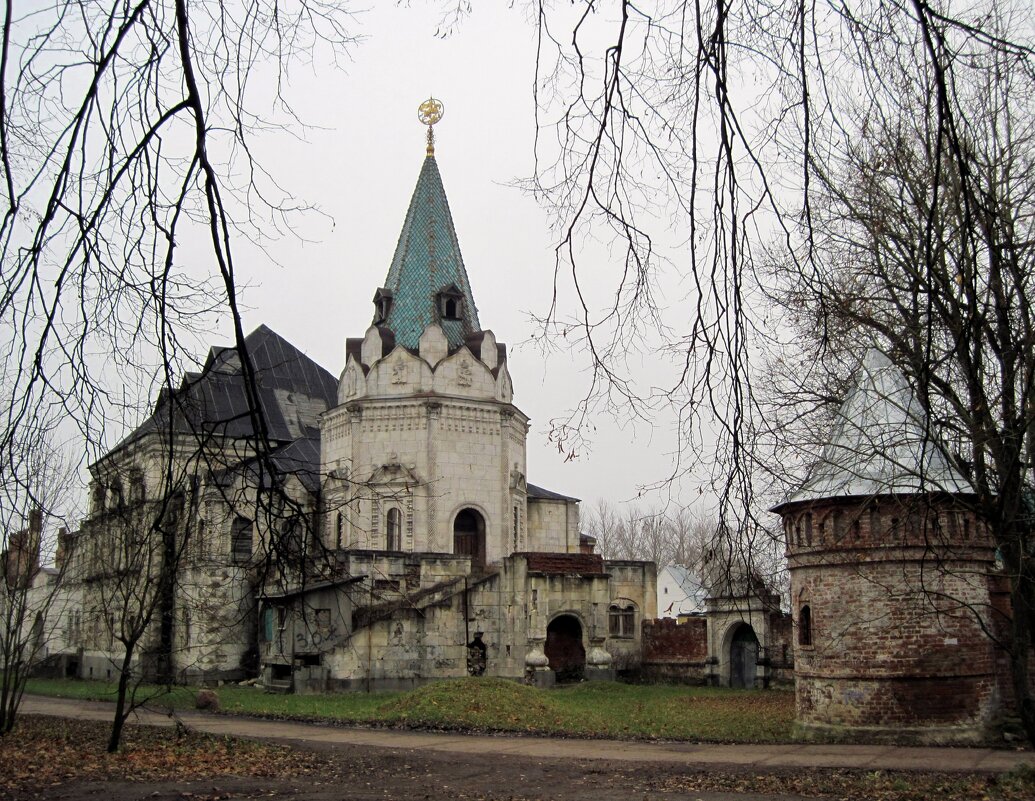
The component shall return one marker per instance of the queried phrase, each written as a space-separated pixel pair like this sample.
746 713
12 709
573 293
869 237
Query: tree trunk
1020 649
123 703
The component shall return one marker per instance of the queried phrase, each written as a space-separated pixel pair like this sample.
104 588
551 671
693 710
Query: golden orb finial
429 113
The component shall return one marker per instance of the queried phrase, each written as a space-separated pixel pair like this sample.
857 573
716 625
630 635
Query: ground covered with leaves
51 759
45 752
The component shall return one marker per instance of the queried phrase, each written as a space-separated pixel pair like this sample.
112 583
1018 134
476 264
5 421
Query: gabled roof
427 261
293 391
879 443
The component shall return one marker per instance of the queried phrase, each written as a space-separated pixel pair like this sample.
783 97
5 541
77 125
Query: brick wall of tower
894 588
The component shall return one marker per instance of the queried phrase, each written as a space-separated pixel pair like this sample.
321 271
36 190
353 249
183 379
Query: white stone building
395 538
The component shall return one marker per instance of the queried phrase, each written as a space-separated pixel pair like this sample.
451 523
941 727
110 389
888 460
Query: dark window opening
382 305
394 526
450 304
805 626
241 540
469 536
339 528
199 535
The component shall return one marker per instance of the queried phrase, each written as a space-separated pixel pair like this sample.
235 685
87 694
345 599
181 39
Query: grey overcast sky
358 165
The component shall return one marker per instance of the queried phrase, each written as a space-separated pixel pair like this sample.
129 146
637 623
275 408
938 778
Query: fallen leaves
44 751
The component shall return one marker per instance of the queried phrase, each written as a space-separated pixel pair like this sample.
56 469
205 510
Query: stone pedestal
537 665
599 665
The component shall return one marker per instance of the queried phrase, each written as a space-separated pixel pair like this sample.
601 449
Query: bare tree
905 225
31 593
929 257
126 129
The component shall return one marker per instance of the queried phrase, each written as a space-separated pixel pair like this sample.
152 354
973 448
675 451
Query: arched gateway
743 657
564 648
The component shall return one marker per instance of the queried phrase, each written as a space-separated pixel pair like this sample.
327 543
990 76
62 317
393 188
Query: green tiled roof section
427 259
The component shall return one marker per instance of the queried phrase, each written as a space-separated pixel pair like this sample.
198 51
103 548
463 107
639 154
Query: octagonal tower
426 450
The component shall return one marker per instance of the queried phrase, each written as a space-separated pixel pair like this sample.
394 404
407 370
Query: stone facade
417 619
390 537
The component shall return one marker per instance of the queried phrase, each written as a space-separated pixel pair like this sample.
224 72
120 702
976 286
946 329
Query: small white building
680 592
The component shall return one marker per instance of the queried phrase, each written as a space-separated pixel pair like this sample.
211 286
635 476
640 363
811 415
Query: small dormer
450 303
382 305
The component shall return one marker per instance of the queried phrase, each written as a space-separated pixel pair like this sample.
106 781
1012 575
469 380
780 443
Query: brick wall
892 587
675 651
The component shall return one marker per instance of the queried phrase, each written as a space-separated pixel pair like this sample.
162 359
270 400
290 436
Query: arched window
394 529
805 625
469 536
241 540
621 619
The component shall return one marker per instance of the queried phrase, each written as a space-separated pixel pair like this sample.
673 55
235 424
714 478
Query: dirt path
367 764
359 773
486 747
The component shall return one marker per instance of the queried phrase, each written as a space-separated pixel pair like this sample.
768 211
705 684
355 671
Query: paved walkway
867 757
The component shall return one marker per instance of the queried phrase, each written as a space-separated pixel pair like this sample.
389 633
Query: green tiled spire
427 263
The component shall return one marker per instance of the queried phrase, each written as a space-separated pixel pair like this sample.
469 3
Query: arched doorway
743 657
469 536
564 648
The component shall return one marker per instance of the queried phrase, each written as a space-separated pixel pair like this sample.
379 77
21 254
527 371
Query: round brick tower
890 574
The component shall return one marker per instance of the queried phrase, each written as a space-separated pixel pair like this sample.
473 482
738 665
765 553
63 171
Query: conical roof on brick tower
428 271
879 443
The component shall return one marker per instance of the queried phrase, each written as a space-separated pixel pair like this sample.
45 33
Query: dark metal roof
547 495
292 390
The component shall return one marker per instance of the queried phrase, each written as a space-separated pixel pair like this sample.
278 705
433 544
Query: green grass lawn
592 709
